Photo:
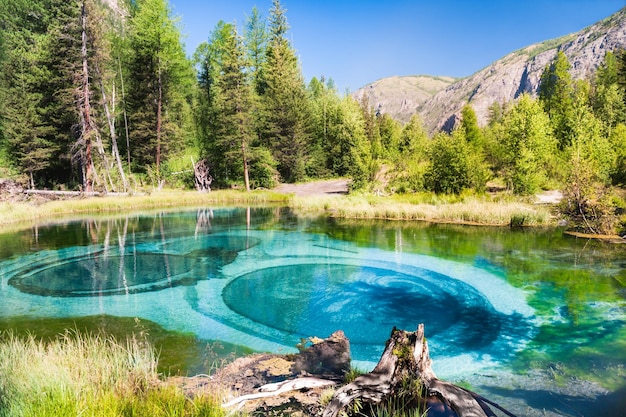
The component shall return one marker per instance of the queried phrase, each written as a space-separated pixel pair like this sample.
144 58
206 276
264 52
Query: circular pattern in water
81 271
366 302
98 274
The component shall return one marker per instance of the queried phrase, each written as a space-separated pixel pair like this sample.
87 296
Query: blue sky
358 42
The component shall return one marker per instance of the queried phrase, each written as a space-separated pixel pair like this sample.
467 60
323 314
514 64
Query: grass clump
89 375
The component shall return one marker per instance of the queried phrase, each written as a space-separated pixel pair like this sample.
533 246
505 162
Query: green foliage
263 172
227 106
160 79
469 123
90 375
556 94
390 131
452 168
413 139
617 141
528 147
587 201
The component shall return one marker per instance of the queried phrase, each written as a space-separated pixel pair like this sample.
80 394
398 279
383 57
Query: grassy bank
25 212
474 210
90 375
480 210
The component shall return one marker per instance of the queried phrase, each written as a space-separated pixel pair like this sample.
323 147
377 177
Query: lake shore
325 198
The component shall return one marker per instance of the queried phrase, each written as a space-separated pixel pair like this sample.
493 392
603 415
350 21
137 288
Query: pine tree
556 94
284 125
233 125
159 83
255 40
469 123
608 98
26 139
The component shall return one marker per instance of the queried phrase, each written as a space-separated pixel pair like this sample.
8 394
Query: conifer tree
284 125
233 124
469 123
608 98
159 83
255 41
26 140
556 94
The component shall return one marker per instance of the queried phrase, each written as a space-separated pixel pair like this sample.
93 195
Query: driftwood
279 388
64 193
292 383
406 358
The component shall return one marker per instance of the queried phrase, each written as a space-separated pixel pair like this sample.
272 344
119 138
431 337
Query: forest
100 95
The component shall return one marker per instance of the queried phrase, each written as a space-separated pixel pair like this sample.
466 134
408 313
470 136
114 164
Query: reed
29 212
89 375
469 210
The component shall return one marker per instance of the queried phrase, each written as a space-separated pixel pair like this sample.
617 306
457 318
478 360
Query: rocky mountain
401 97
503 80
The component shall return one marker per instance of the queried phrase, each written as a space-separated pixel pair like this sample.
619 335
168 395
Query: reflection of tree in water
203 221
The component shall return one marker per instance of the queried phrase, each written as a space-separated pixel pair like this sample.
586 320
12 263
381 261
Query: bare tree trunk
114 149
159 122
119 63
88 128
246 175
85 107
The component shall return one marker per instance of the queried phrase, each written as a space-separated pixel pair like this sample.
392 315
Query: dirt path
334 187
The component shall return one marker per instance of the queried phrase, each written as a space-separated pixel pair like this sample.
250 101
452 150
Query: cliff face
510 76
401 97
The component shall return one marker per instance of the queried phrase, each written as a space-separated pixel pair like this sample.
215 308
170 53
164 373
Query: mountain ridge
504 79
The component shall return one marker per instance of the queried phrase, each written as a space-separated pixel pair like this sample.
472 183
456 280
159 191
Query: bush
587 202
263 169
454 165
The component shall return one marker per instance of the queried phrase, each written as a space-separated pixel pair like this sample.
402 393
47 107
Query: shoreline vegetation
91 375
471 210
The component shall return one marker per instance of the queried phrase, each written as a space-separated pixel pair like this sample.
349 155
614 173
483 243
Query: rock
11 191
330 356
323 363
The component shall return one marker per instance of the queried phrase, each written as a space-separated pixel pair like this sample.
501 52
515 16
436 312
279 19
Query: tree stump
406 364
202 178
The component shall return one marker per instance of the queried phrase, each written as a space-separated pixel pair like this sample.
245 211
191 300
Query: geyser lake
531 318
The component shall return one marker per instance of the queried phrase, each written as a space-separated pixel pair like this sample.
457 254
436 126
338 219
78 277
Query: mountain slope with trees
507 78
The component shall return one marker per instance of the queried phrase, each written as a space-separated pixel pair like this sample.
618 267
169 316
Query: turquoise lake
530 318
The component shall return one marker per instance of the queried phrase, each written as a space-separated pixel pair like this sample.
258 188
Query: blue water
530 307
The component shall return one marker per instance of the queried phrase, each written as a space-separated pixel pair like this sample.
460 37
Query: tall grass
468 210
89 375
28 212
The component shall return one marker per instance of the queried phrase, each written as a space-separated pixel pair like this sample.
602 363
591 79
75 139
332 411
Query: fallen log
64 193
406 363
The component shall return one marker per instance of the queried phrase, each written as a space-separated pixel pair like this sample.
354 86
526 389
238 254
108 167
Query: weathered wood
406 355
202 178
64 193
279 388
